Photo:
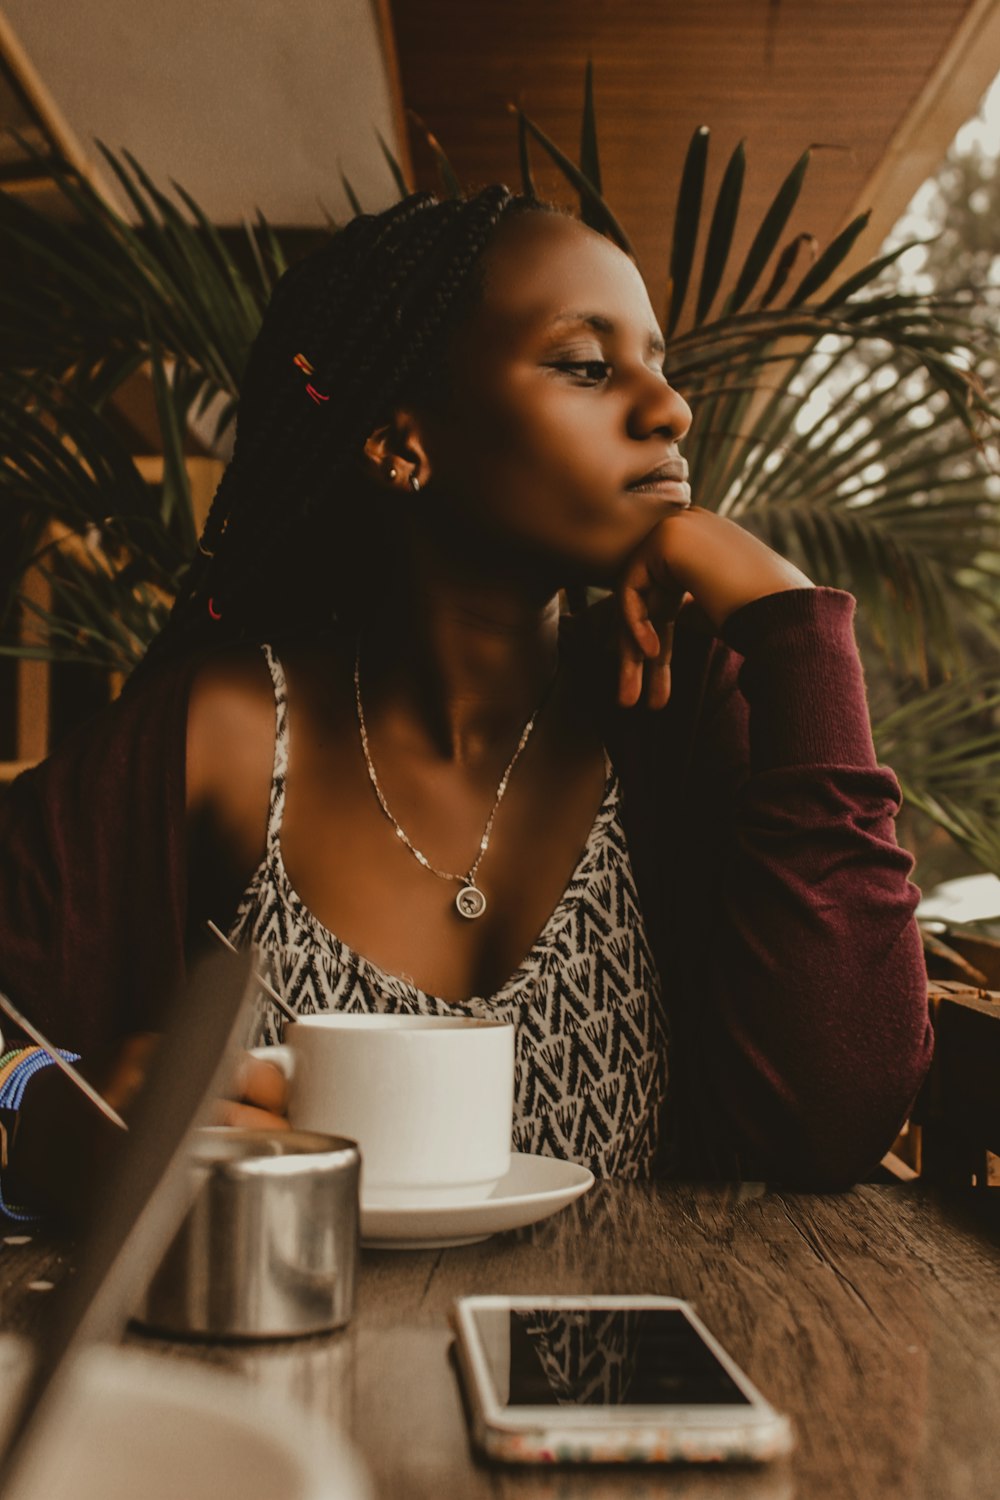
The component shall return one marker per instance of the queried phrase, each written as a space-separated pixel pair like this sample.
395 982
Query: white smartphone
607 1380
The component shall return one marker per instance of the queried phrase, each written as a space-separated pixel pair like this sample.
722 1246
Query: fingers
262 1083
629 677
638 675
246 1116
635 614
648 612
262 1097
638 638
658 672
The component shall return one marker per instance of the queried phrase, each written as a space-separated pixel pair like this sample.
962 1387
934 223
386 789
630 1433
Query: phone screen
601 1357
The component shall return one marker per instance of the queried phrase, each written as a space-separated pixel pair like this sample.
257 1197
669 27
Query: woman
369 741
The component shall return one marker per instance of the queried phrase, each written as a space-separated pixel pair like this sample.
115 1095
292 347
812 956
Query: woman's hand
261 1097
690 557
259 1089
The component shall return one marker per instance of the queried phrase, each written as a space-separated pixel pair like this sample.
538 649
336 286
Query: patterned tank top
590 1042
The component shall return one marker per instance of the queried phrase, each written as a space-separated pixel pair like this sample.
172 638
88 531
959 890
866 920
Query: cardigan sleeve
92 871
807 1029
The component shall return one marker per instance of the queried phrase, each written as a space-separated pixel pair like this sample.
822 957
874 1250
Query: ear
395 453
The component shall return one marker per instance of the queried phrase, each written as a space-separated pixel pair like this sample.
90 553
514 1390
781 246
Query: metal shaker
269 1248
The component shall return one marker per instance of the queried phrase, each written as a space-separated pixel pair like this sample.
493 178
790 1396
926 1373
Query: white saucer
534 1188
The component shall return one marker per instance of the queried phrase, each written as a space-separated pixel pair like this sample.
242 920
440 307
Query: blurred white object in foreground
131 1424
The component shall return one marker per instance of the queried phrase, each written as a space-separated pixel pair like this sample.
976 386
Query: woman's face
558 406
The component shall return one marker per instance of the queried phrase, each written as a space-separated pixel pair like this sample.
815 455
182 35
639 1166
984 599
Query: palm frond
446 171
944 745
169 272
599 215
350 194
524 157
687 218
398 177
766 239
720 233
851 424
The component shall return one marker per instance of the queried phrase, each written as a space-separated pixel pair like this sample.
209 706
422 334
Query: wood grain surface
871 1317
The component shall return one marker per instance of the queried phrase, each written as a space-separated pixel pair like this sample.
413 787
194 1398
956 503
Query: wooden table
871 1317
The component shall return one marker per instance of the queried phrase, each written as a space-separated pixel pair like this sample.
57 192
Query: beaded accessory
307 369
17 1068
10 1060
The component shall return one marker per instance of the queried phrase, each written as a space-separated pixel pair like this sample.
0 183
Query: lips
668 482
671 471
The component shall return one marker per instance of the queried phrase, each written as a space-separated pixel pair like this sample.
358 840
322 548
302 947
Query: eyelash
589 364
585 364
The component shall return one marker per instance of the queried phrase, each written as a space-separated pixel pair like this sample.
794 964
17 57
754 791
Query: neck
459 662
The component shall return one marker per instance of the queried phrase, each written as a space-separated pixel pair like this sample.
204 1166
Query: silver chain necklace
470 901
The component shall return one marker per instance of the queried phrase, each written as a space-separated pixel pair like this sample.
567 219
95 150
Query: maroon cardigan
761 833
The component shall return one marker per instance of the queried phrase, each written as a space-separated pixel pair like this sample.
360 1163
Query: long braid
372 312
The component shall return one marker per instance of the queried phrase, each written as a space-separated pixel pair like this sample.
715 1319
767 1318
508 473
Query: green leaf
769 233
869 273
785 266
524 160
352 196
250 305
176 506
449 180
402 187
605 219
720 234
687 221
835 253
272 244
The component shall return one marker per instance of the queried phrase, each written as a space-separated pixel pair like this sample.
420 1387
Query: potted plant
844 420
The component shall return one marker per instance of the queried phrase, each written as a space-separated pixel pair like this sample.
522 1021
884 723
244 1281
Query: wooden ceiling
848 75
248 106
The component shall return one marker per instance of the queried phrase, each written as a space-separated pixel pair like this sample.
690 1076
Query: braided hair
351 331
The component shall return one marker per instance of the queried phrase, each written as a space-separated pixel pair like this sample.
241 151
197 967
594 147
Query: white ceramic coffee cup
429 1099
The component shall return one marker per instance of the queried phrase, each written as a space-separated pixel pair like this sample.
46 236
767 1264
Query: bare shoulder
230 727
231 717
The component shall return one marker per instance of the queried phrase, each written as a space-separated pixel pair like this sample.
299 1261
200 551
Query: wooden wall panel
782 73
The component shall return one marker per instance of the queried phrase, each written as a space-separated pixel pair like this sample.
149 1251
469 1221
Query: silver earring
393 474
414 483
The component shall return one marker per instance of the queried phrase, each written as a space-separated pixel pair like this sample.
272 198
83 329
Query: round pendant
470 902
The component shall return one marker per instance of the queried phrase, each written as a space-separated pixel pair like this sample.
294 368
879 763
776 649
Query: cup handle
278 1053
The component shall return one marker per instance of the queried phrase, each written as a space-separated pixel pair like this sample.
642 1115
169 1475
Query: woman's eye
594 370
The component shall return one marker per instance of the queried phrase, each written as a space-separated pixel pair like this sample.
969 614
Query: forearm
818 1037
817 1034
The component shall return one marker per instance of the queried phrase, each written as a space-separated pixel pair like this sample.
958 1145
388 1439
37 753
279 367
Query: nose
658 408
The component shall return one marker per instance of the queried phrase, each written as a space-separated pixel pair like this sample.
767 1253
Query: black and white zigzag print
590 1043
588 1357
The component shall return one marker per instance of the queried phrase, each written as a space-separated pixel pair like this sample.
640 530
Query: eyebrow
601 324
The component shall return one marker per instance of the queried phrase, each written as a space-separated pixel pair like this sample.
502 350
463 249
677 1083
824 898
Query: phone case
651 1444
643 1442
